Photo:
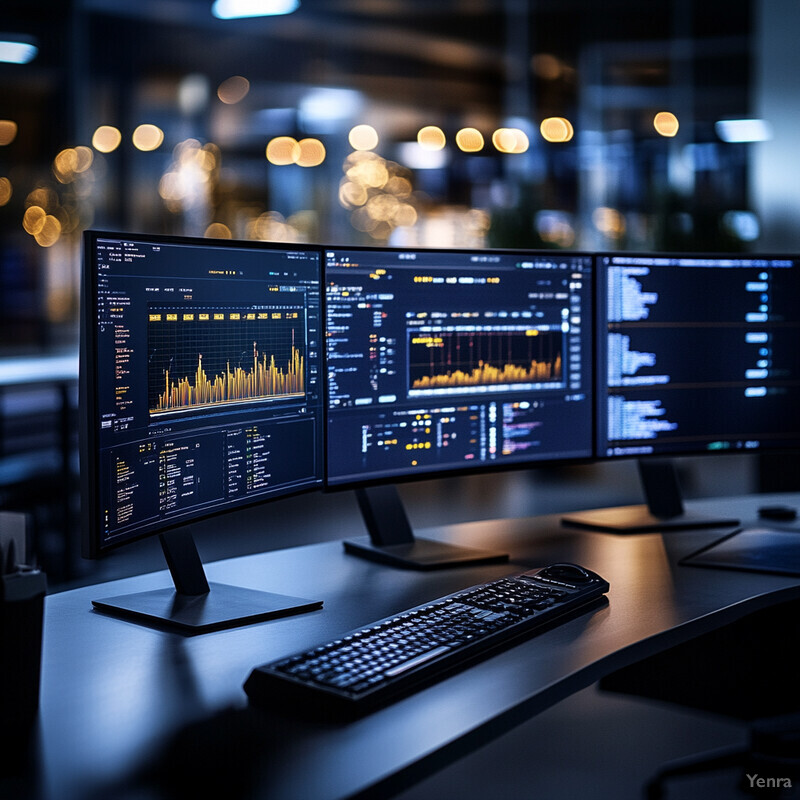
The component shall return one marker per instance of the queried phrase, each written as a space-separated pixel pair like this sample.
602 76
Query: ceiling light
743 130
236 9
17 50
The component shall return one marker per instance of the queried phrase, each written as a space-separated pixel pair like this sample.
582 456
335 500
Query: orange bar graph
264 381
442 359
483 373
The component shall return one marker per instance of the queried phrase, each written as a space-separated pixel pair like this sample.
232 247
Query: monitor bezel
91 544
600 298
478 469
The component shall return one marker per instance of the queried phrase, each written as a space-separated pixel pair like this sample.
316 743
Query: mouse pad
756 549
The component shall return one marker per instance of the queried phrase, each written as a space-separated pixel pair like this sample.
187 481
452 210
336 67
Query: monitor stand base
422 554
639 519
195 606
223 606
391 539
663 511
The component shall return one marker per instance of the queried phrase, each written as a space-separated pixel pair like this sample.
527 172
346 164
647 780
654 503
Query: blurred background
570 124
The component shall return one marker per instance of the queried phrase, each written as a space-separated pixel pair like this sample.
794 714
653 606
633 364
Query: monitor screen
201 371
697 354
444 360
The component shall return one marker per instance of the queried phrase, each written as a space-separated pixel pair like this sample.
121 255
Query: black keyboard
373 665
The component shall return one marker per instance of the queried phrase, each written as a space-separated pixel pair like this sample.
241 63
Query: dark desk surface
113 692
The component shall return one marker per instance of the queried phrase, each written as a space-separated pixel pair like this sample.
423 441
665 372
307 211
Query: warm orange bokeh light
470 140
510 140
218 230
666 123
431 138
556 129
233 89
147 137
106 139
312 153
33 220
283 150
8 131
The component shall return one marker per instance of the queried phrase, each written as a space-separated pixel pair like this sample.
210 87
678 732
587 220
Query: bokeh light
49 233
431 138
8 131
352 194
188 182
33 219
556 129
42 196
609 222
378 193
283 150
218 230
106 139
147 137
311 153
666 123
65 165
271 226
510 140
233 90
399 186
367 169
470 140
85 158
6 190
547 66
555 227
363 137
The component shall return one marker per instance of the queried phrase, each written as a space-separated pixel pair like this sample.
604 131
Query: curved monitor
449 360
697 354
446 361
202 381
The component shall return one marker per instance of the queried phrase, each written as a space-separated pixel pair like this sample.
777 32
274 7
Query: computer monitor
202 391
696 354
441 362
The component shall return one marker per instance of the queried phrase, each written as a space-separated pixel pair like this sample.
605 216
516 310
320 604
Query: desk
113 692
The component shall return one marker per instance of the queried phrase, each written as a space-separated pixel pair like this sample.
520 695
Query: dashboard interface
697 354
206 375
447 360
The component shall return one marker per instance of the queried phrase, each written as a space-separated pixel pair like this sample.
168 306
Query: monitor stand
391 539
194 605
663 511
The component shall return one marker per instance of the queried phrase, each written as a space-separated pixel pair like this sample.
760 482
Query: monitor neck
184 562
